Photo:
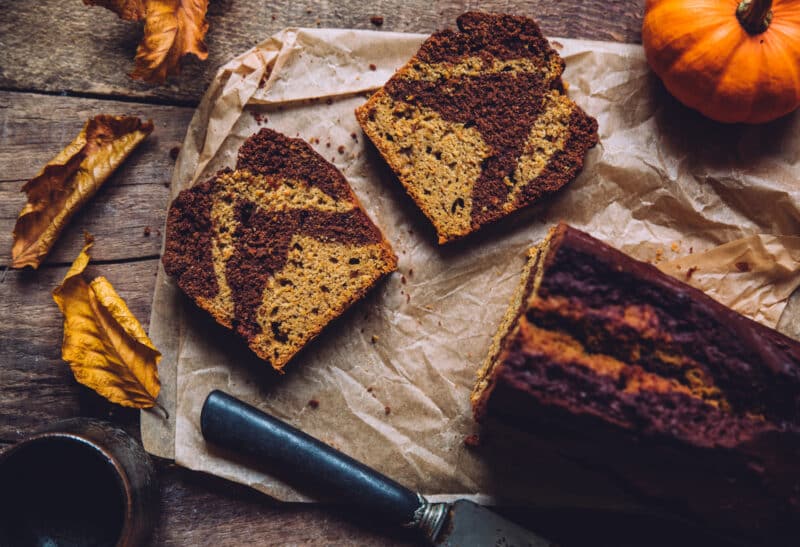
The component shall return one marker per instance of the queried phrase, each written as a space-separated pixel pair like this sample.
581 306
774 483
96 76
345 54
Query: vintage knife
296 456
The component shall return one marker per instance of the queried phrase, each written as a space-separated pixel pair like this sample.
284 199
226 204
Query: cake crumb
472 441
659 255
387 410
690 272
691 250
375 338
376 20
174 151
743 266
166 184
327 145
410 270
146 231
340 149
403 279
675 247
354 137
373 67
313 403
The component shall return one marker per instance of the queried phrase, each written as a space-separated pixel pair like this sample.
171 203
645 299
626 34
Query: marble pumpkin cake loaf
686 401
477 125
275 249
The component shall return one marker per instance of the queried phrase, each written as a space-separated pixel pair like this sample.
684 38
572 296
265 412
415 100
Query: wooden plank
34 128
199 509
80 49
36 386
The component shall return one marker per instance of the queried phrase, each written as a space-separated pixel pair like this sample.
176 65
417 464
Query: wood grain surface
62 62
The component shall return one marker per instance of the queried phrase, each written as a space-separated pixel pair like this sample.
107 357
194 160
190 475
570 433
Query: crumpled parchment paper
715 205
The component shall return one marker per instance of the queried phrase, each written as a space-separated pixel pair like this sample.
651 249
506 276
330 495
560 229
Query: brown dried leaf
105 346
130 10
69 181
172 29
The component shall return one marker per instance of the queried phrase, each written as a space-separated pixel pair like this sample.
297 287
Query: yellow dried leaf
172 29
105 346
69 181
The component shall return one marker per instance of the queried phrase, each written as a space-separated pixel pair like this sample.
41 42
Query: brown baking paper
714 205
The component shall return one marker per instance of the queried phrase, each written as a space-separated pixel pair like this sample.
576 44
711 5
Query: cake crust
276 248
477 125
684 400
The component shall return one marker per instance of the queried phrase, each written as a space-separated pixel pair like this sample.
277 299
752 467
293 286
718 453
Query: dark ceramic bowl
77 482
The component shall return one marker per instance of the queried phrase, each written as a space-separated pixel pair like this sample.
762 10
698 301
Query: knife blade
300 458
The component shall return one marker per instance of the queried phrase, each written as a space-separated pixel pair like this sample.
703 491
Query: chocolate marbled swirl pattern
477 124
258 245
613 353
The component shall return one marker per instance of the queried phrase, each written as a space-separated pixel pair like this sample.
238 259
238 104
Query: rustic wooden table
62 62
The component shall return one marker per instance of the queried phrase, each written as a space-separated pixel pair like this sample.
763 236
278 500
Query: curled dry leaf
69 181
172 29
105 346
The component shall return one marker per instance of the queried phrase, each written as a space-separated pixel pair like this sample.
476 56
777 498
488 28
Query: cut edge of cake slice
509 324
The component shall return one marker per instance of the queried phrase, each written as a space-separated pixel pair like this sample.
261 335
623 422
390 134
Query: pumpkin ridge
792 70
689 57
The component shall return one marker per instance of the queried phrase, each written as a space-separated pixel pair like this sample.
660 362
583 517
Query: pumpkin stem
754 15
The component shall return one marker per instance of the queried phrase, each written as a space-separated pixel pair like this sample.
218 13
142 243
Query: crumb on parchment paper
472 441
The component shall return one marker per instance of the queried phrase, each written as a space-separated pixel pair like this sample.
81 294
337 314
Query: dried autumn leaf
105 346
69 181
172 30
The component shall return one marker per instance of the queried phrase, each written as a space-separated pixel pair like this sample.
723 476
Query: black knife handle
235 425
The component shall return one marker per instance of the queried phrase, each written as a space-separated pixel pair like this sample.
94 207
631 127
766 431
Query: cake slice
276 248
653 382
477 125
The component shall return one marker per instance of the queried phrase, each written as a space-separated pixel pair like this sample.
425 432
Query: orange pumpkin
732 61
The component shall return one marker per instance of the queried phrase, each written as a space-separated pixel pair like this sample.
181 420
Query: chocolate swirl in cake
275 249
680 397
477 124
